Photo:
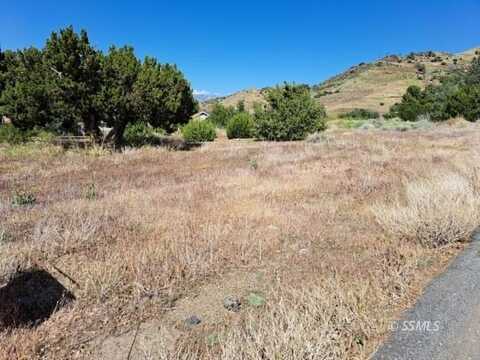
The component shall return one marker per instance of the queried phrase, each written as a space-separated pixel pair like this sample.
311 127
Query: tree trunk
116 136
91 127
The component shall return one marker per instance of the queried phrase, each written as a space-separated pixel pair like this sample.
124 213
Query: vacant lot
299 232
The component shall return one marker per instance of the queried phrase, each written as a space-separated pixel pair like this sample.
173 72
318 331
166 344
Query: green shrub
360 114
421 68
221 114
22 198
240 126
199 131
12 135
457 95
91 191
140 134
291 114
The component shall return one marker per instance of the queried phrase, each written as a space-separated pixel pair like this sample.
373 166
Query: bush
12 135
220 115
437 211
140 134
240 126
421 68
360 114
291 114
440 103
23 199
411 106
199 131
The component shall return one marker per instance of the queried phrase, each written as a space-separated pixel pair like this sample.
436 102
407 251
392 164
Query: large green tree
164 97
74 80
118 101
69 84
56 87
25 98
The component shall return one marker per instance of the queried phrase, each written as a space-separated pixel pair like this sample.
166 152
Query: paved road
445 322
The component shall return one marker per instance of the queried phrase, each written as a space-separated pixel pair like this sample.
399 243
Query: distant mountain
203 95
374 86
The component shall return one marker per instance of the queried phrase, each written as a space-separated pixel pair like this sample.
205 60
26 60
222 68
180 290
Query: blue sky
224 46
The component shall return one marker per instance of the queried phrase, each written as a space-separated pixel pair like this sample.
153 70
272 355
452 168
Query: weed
91 191
22 198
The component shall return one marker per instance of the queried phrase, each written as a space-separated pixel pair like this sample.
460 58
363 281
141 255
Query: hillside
375 86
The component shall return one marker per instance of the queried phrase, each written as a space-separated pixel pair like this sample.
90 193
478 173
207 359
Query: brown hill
375 86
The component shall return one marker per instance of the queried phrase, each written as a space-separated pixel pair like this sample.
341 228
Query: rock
232 303
193 320
303 252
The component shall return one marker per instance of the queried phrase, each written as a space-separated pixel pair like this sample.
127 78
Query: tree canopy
68 85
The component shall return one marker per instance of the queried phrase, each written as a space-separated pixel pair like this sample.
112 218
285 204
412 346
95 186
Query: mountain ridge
376 85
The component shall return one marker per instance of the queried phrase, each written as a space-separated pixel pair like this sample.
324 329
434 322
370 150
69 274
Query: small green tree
411 106
240 126
221 114
466 102
199 131
291 114
473 74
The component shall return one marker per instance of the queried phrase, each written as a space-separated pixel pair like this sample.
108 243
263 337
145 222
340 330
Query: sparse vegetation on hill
458 94
376 86
360 114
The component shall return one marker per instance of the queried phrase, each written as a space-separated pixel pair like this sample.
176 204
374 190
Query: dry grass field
306 234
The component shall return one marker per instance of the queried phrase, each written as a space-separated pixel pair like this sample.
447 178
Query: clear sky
224 46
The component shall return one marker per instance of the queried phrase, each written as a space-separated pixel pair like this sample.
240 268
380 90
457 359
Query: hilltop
375 86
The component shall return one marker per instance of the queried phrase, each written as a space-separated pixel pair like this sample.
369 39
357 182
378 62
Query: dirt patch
156 339
30 298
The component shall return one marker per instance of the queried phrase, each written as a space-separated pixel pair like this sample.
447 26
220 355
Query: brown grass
437 211
164 228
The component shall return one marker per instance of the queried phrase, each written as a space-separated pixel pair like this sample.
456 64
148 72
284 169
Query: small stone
232 303
303 252
193 320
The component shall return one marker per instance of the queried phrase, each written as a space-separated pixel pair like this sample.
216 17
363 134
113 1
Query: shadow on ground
30 298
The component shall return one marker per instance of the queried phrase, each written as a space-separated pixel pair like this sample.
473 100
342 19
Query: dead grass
437 211
164 226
